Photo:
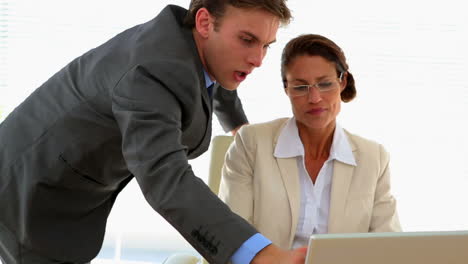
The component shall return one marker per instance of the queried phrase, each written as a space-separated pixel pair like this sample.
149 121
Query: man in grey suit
137 106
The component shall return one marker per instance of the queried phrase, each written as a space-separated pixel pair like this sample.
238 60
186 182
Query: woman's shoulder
364 144
262 133
265 127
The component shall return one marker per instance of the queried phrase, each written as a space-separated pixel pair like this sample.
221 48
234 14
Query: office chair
219 146
182 259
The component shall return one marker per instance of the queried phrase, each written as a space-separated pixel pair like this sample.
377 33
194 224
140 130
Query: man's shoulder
176 10
166 35
162 45
165 48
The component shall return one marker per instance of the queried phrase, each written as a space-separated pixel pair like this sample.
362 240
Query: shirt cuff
249 249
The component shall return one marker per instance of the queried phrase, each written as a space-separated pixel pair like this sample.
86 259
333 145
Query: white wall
409 59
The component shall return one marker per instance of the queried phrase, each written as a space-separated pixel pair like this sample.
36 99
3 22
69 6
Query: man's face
238 44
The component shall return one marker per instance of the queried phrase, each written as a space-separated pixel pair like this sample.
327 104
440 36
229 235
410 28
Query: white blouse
315 198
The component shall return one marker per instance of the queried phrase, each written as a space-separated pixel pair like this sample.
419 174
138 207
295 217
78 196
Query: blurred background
409 59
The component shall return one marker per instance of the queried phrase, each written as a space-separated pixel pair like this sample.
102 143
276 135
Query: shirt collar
290 145
208 81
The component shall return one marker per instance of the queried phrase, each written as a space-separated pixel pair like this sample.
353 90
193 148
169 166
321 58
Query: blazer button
197 235
214 250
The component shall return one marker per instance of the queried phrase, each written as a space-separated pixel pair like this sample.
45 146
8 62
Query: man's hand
272 254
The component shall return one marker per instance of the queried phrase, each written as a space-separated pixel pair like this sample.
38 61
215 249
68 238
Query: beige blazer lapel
341 181
290 176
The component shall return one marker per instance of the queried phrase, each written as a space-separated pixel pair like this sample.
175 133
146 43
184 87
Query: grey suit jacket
136 106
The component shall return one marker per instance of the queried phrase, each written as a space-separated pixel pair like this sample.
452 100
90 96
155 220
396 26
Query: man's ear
203 22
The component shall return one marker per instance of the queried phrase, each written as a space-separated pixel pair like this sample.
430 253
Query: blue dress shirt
209 84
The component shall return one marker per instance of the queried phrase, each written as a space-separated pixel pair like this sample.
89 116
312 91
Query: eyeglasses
322 86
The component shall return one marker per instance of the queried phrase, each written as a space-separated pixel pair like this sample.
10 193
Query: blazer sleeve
384 214
149 117
228 108
236 188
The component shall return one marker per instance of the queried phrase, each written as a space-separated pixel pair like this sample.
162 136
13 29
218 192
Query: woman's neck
317 142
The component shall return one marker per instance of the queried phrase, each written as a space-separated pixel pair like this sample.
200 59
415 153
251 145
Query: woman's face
316 106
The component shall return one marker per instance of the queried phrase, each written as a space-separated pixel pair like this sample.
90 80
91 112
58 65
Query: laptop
444 247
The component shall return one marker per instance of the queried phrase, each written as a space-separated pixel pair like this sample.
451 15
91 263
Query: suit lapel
290 176
341 182
342 176
196 123
208 110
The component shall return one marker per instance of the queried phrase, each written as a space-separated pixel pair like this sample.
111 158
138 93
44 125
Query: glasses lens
326 85
299 90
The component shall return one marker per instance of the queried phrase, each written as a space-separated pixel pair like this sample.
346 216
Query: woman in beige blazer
294 177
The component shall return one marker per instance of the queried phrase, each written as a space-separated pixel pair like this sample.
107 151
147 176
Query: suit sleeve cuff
249 249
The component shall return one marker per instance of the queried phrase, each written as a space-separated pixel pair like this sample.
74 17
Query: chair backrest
219 146
182 258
